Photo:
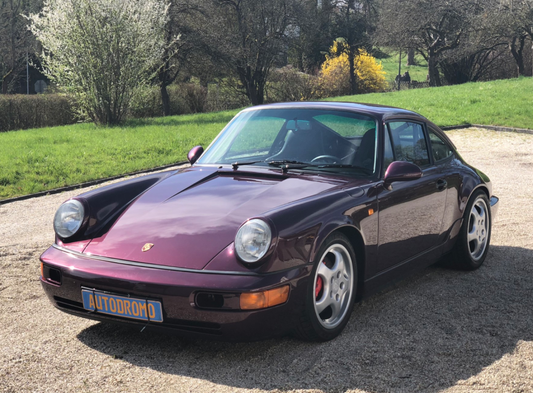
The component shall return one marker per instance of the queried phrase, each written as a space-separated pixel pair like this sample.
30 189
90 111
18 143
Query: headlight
253 240
68 218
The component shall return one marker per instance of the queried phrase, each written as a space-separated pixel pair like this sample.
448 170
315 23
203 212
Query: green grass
417 72
43 159
503 102
46 158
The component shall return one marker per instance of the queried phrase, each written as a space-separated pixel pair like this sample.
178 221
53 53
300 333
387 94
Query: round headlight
253 240
68 218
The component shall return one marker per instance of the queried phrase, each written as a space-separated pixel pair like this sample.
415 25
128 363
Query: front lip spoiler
163 267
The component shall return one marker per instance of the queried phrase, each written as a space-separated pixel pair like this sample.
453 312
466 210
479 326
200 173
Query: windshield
303 138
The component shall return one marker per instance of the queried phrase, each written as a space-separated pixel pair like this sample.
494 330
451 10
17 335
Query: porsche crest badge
147 247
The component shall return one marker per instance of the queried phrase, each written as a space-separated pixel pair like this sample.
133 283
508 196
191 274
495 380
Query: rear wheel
330 292
474 237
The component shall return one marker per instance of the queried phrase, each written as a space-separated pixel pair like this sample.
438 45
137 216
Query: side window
440 149
408 142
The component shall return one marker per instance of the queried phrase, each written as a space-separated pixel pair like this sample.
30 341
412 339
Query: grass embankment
46 158
43 159
503 103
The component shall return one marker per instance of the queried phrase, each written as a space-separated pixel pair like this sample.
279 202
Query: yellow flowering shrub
334 76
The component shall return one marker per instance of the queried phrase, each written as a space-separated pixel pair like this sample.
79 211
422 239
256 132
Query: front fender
104 205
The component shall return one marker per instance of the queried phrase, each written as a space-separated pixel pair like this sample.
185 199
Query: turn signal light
258 300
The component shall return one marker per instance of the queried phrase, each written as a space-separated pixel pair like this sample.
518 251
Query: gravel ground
440 330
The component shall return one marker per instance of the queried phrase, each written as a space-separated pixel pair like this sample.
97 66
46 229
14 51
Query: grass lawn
417 72
46 158
503 102
43 159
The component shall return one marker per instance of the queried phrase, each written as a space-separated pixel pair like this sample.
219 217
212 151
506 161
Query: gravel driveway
440 330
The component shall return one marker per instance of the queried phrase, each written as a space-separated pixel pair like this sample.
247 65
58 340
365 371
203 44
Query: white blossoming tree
101 51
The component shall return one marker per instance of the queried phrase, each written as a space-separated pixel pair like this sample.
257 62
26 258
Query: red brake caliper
318 287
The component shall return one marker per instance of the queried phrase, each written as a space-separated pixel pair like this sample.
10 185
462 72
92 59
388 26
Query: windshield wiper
237 164
360 168
285 165
289 162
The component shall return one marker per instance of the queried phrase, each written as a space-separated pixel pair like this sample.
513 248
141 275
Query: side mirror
401 171
194 154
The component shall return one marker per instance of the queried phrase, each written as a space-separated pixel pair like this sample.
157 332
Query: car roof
380 111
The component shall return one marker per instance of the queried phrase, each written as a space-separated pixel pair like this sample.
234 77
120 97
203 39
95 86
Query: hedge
18 111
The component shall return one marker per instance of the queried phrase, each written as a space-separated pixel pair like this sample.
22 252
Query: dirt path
441 330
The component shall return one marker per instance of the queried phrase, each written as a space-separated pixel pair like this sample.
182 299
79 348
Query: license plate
122 306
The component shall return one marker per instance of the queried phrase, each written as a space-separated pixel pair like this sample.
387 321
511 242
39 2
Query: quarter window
440 149
388 154
409 143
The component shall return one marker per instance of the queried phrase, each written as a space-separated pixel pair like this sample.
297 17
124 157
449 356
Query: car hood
193 215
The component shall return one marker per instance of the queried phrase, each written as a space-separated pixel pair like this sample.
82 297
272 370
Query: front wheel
474 237
331 291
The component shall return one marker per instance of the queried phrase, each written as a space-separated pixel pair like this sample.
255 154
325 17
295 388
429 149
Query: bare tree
431 27
516 18
247 36
179 46
16 42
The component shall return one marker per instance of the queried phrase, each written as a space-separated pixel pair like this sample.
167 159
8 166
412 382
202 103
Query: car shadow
425 333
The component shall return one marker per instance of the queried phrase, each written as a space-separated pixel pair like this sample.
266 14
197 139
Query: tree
247 36
178 49
101 51
431 27
354 24
516 16
311 34
481 50
16 42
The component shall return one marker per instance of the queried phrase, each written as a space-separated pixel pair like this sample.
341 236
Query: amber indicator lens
258 300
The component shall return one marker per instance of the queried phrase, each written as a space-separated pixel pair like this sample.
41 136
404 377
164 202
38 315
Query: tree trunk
353 76
4 85
517 50
165 99
433 72
253 83
411 57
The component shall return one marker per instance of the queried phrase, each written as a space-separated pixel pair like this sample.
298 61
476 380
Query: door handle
441 184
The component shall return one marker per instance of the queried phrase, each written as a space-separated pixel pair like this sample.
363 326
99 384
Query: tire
473 241
330 292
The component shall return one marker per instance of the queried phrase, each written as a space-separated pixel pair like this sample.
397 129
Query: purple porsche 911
293 213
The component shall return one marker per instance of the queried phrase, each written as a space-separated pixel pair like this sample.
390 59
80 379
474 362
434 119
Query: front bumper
494 206
176 290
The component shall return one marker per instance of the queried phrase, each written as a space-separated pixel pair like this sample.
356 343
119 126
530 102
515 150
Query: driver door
411 213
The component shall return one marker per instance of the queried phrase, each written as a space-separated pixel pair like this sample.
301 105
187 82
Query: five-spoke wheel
331 290
474 237
478 229
333 286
